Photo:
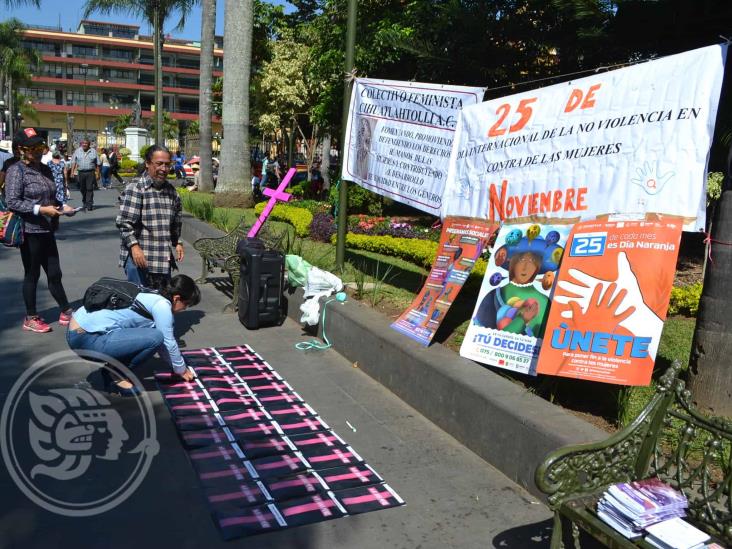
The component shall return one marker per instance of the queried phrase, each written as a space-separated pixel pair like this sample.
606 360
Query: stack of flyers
629 507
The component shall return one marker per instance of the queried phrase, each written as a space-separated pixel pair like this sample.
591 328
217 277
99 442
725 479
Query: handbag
11 226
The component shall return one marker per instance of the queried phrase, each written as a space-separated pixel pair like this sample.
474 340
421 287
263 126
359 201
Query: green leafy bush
419 252
143 150
299 218
714 186
685 299
124 152
360 200
127 165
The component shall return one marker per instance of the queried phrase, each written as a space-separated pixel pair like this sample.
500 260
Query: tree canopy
506 45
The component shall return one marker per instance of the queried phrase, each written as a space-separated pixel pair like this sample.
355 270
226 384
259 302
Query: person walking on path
133 335
114 164
149 223
30 191
85 167
58 169
179 159
106 169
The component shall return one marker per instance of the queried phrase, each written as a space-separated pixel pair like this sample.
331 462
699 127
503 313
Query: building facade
89 78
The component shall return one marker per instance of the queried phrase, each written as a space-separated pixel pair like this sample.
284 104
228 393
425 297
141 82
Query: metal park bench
669 440
221 253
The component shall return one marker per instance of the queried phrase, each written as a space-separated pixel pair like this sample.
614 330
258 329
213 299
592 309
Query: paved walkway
454 499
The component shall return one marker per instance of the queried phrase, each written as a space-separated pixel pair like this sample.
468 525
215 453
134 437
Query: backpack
114 294
113 160
11 226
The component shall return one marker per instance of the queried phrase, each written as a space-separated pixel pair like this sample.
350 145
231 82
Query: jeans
130 346
143 277
106 179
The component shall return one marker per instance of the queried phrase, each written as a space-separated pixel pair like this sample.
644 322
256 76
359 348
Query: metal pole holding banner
343 189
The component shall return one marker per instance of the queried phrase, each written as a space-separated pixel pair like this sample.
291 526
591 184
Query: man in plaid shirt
149 223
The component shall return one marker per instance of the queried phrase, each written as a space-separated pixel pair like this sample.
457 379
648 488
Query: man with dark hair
149 223
85 166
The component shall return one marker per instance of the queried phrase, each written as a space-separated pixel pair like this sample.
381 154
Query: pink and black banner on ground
266 460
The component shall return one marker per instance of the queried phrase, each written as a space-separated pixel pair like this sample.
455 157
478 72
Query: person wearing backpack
30 192
133 334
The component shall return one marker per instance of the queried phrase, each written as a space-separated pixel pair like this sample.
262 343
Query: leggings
39 250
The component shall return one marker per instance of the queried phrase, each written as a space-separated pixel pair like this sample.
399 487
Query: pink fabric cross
274 196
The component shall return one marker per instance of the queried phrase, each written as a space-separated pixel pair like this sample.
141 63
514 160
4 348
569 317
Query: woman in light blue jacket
131 337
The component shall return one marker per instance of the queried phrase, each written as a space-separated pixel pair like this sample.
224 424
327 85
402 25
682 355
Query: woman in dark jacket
30 191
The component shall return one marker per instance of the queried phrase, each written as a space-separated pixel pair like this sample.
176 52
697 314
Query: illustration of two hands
603 305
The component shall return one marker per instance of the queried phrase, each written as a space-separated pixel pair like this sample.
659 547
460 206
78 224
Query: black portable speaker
261 284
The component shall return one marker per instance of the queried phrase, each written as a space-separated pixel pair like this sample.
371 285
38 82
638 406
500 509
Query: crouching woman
134 334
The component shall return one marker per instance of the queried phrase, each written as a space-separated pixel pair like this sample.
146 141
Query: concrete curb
506 425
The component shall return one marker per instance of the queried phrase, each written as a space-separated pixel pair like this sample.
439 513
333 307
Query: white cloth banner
629 141
399 138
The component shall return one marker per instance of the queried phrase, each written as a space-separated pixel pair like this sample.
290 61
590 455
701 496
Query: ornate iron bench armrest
215 250
584 469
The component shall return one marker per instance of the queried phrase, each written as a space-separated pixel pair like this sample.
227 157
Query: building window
42 95
84 51
125 55
75 72
188 63
44 47
53 70
187 83
117 74
77 98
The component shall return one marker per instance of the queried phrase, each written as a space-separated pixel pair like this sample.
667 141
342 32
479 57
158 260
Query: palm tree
155 12
205 109
121 122
15 65
171 129
235 170
710 378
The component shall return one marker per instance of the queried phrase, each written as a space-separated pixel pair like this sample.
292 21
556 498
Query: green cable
314 343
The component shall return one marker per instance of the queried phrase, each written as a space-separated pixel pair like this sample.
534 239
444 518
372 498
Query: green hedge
127 165
297 217
420 252
685 299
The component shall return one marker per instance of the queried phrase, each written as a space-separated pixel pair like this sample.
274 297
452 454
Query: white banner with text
629 141
399 138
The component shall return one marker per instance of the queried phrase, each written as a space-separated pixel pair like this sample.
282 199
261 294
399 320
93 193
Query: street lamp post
83 69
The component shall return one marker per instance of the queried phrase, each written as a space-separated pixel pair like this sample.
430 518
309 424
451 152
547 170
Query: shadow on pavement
539 535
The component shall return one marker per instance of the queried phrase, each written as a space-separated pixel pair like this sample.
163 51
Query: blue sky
69 13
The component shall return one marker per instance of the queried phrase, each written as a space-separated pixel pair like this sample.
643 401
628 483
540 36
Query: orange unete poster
610 301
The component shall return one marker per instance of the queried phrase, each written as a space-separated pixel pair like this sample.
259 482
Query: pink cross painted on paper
274 196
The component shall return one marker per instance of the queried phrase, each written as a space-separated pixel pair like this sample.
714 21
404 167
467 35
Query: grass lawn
389 284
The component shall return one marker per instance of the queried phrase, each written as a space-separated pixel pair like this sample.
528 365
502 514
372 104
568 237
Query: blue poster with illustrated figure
509 319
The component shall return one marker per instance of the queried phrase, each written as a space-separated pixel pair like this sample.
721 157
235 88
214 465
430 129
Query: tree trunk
235 169
709 372
158 60
325 161
11 107
291 145
205 131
